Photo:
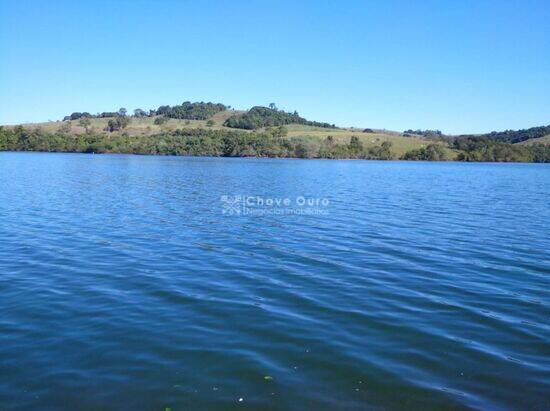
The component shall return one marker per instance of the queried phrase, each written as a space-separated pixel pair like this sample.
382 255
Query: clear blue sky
459 66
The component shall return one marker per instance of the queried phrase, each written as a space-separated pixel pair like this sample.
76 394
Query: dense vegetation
193 111
433 152
273 142
78 115
515 136
424 133
258 117
487 149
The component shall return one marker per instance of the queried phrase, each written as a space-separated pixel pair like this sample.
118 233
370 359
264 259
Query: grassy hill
217 133
146 126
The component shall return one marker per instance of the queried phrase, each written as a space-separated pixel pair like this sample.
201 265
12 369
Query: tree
162 110
117 123
76 115
385 153
139 113
272 106
355 146
122 112
85 122
433 152
210 123
307 149
159 121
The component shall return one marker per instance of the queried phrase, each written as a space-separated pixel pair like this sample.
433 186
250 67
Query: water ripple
124 286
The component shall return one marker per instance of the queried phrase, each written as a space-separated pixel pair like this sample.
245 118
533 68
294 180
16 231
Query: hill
310 135
215 129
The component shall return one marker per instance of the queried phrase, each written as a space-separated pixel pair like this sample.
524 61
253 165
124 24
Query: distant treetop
425 133
515 136
192 111
187 111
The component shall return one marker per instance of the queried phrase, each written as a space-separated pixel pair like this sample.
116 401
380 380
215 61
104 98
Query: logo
250 205
232 205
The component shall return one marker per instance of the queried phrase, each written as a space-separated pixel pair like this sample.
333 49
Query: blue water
126 283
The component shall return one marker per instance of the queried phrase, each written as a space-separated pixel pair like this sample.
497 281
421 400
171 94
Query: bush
159 121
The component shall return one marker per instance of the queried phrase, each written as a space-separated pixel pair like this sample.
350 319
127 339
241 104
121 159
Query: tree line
423 133
186 111
272 142
513 136
507 136
488 149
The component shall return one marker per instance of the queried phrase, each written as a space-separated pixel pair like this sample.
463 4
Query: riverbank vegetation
214 129
270 142
515 136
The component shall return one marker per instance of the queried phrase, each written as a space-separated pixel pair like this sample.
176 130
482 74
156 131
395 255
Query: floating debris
241 399
268 377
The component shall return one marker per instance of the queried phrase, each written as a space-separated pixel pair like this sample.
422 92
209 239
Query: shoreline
393 160
275 143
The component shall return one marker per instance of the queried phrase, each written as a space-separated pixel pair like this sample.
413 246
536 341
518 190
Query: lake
146 282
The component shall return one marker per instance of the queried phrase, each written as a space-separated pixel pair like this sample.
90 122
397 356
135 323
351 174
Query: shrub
159 121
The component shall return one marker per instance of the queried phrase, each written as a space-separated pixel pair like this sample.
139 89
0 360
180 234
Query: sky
457 66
